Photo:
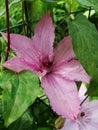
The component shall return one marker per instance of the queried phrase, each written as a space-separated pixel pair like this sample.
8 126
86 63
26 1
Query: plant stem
84 100
23 19
90 9
8 29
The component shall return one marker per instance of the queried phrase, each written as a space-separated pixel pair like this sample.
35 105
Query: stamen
82 114
46 66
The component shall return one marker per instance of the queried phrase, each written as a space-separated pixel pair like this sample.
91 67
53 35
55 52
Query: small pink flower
57 68
87 117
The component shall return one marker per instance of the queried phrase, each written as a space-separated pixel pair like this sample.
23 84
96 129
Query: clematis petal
64 50
62 94
72 70
82 92
90 127
92 106
18 64
44 36
70 125
23 46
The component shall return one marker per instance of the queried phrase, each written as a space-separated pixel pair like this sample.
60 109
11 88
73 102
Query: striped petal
64 51
44 36
62 94
73 71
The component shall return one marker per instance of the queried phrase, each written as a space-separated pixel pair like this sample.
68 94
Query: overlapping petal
44 36
62 94
18 64
64 51
73 71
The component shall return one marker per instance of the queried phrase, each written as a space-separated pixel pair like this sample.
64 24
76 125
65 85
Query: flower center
82 114
46 66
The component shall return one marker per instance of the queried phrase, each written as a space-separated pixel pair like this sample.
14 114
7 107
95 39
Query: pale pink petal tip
14 64
18 64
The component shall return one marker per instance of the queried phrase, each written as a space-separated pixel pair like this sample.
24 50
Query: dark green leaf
44 128
20 91
39 109
1 116
90 3
23 123
49 0
85 43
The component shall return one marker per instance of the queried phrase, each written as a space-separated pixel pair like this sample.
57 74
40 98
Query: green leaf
85 43
49 0
44 128
71 5
23 123
40 108
1 117
19 92
10 5
90 3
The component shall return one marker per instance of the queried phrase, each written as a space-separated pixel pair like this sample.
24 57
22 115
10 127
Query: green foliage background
79 18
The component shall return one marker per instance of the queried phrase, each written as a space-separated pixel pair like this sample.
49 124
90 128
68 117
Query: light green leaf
19 92
71 5
85 43
89 3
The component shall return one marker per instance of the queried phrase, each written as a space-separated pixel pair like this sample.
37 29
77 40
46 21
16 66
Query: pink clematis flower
87 117
57 68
